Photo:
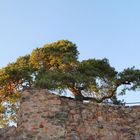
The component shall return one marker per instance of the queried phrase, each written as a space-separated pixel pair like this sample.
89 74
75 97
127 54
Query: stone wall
45 116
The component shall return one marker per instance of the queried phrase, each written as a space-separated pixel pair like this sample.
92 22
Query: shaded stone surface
45 116
8 133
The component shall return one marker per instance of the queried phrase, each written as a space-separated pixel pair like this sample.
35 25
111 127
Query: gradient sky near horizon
100 28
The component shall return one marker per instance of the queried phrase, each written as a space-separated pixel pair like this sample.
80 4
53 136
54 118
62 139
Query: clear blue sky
100 28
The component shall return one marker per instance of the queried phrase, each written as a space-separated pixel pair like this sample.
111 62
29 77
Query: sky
100 28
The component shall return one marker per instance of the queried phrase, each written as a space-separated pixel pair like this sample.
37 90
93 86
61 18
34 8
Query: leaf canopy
55 66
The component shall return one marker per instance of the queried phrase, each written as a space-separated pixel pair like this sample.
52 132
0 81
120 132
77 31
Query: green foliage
56 66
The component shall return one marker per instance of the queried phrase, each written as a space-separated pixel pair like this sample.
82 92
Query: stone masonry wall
45 116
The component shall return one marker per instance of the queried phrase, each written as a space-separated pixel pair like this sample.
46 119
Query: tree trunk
77 93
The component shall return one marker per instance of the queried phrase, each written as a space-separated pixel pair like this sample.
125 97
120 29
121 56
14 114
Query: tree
13 78
55 66
92 79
